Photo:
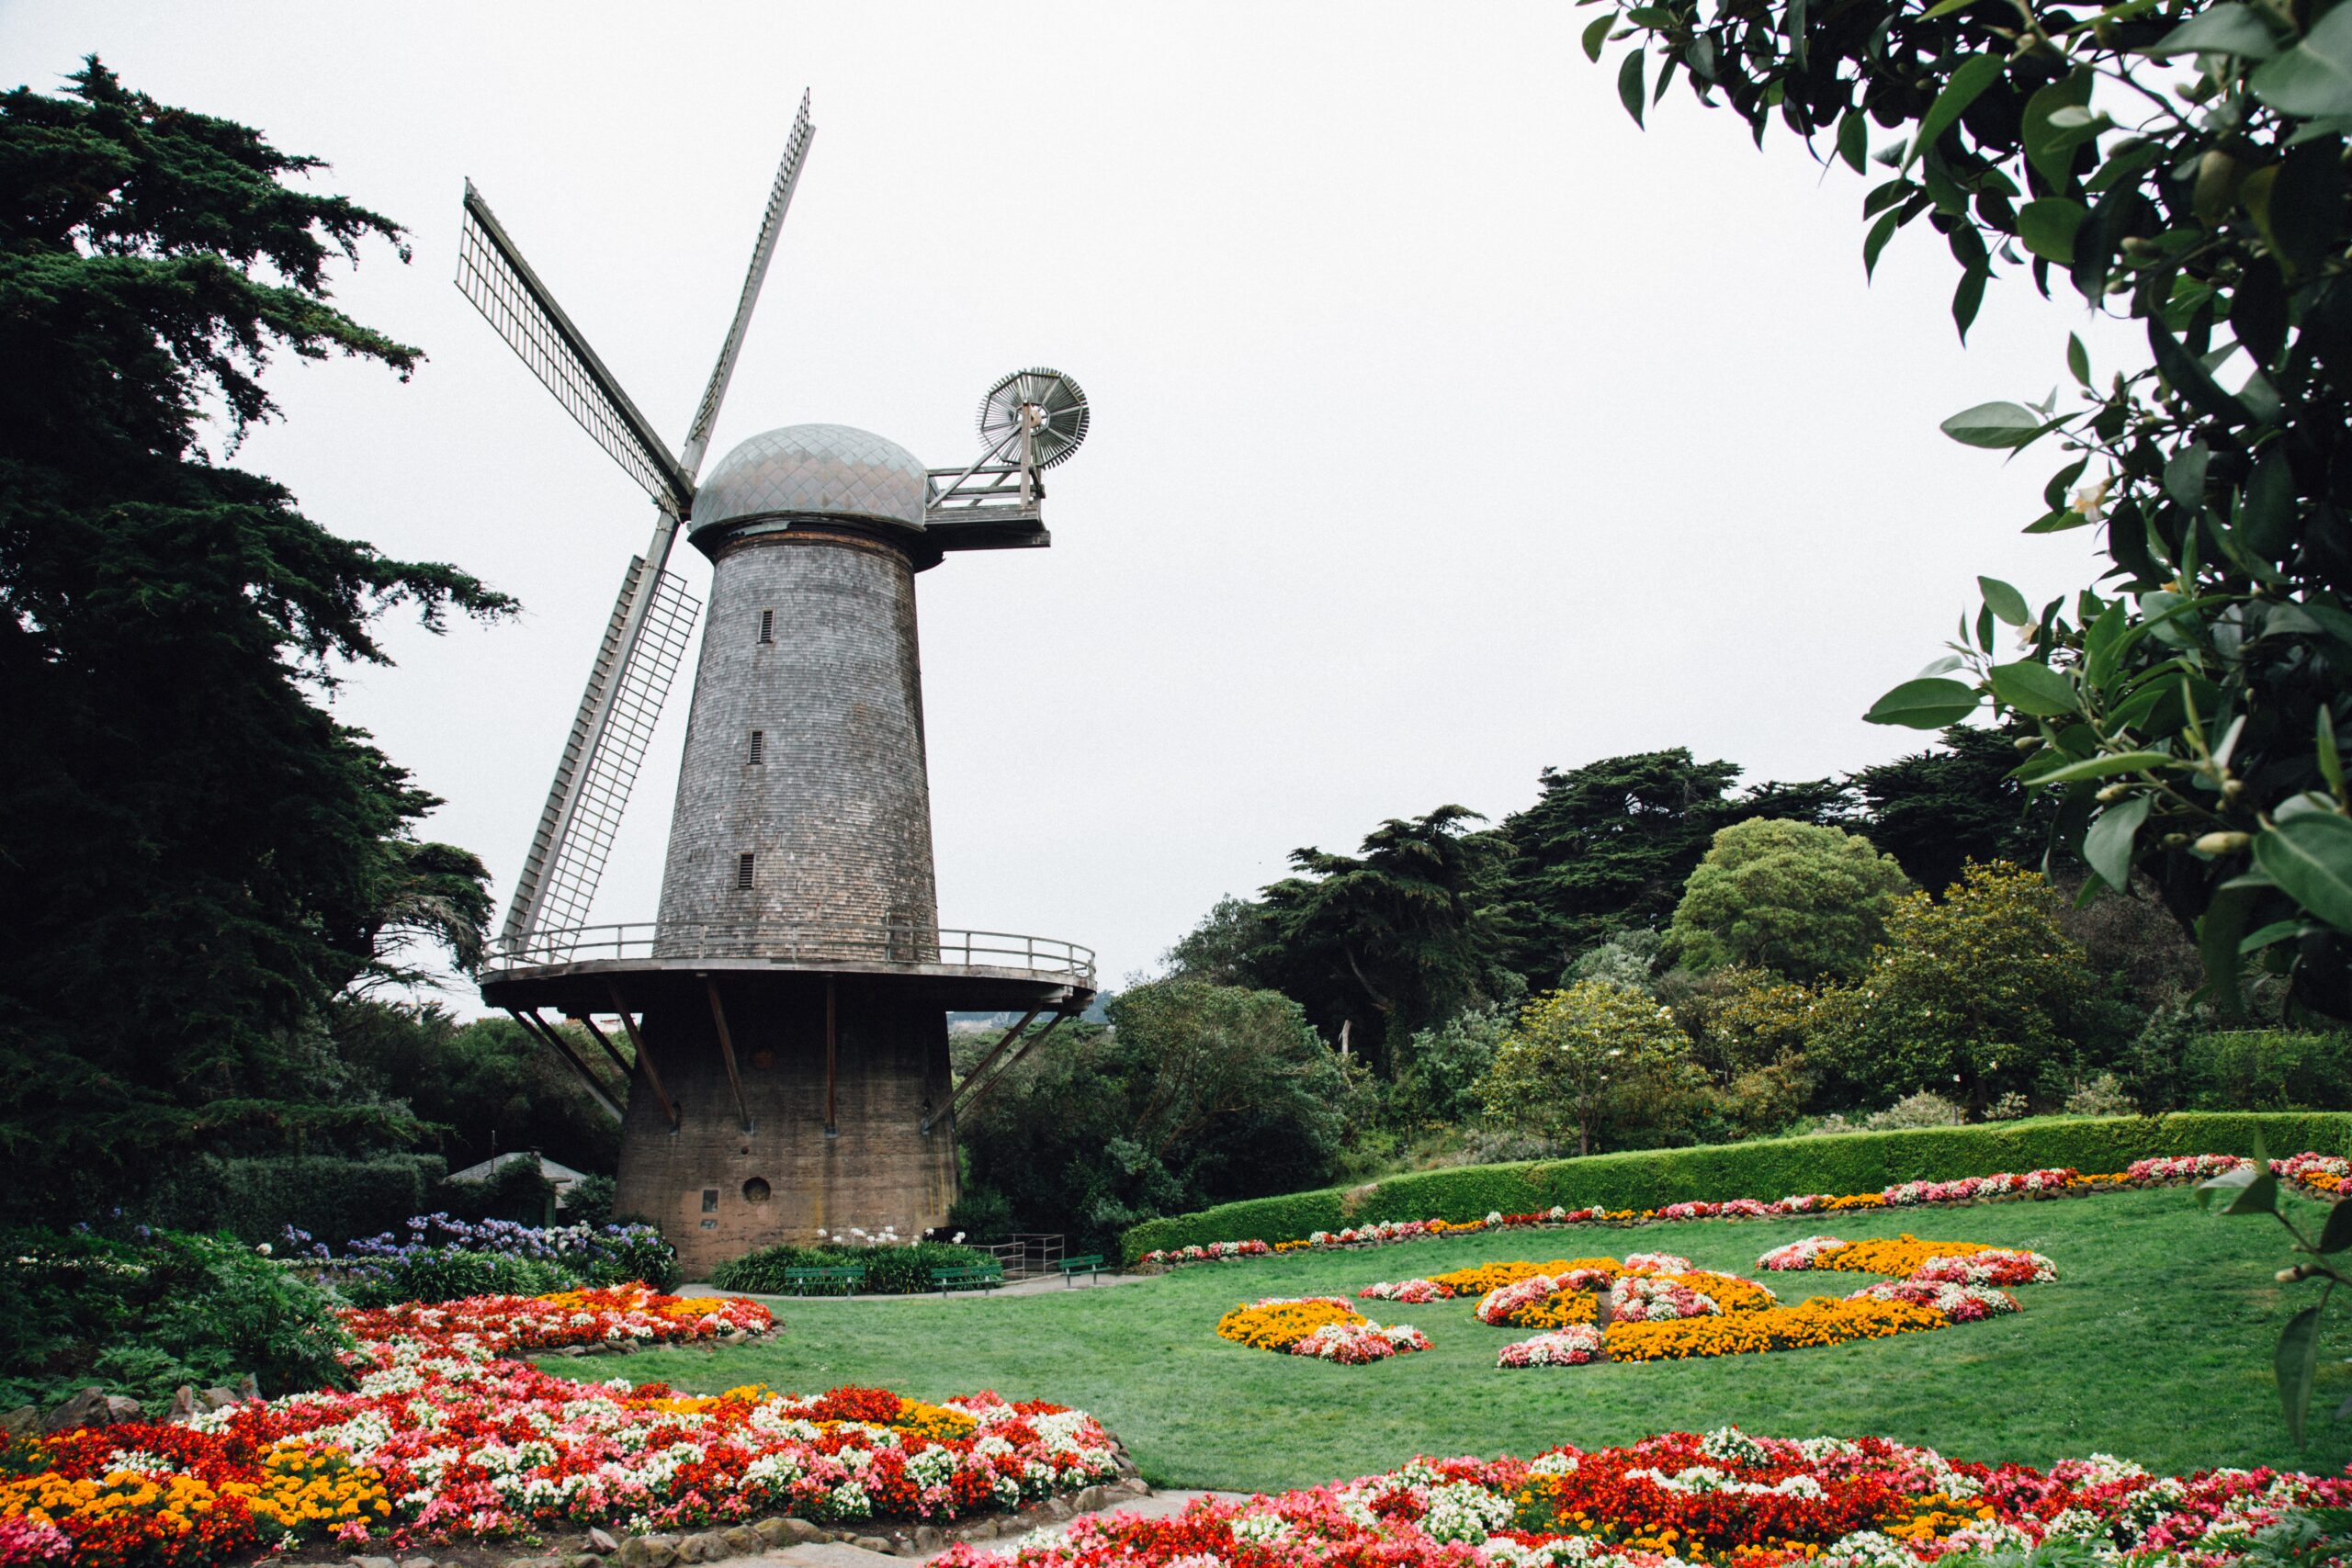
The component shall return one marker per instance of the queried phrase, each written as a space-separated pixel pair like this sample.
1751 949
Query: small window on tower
759 747
743 870
710 1199
767 626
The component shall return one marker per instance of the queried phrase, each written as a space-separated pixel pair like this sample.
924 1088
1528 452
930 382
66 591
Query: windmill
787 1010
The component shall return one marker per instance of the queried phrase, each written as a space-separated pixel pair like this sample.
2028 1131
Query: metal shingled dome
832 470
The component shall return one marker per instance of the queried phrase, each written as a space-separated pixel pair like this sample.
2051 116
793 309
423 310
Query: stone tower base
718 1191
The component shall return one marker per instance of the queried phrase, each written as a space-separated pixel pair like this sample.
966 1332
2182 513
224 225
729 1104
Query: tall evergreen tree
1392 939
1940 809
1607 847
195 857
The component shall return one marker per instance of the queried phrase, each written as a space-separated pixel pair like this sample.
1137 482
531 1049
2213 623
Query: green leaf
2276 931
2331 762
2315 78
2220 931
2336 1234
1995 426
2110 764
2078 358
1875 241
2032 687
2050 152
1943 9
2267 516
2227 28
1596 34
2190 380
2251 1190
2047 227
2310 858
2297 1363
1629 84
1969 297
1968 80
1854 140
2004 601
1931 704
2106 847
2185 475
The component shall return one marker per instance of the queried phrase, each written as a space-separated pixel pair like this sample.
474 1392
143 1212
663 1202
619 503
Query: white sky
1446 425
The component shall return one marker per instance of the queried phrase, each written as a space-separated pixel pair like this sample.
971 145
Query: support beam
584 1022
1002 1040
831 1129
727 1051
533 1023
645 1061
975 1093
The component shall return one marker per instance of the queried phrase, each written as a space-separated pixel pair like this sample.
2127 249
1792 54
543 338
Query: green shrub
1766 1169
903 1270
515 1191
2264 1069
590 1202
139 1316
445 1273
258 1200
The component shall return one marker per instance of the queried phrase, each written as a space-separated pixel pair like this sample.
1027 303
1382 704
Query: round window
755 1190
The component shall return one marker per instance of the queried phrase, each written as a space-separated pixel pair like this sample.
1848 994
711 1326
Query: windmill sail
787 176
494 275
608 740
653 618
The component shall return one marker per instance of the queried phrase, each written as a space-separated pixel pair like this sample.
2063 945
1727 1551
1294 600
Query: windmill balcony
872 949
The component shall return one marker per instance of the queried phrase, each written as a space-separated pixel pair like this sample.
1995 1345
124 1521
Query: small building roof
559 1176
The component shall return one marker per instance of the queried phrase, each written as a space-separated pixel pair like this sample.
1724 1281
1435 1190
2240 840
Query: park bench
823 1282
1089 1265
978 1277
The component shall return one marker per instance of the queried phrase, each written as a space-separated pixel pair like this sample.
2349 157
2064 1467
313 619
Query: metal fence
909 944
1029 1252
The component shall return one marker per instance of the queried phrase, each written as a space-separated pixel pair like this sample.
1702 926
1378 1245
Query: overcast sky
1446 426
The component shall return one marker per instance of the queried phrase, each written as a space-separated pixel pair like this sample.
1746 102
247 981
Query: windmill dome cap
827 470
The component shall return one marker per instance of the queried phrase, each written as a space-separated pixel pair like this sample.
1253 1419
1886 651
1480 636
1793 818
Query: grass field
2154 1345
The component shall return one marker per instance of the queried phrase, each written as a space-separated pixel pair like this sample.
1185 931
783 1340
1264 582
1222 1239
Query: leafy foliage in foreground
198 856
2181 163
141 1316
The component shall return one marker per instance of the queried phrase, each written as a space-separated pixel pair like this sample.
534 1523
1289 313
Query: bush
2101 1095
1922 1109
1442 1066
1594 1061
142 1315
590 1201
445 1273
1797 899
901 1270
1973 996
1766 1169
436 1257
256 1200
2264 1069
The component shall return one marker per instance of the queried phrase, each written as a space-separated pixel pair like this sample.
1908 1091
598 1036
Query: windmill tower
784 1015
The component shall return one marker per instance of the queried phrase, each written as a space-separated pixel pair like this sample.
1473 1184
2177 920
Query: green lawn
2155 1345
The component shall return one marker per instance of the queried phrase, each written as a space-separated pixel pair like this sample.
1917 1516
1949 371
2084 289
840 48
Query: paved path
1036 1285
841 1554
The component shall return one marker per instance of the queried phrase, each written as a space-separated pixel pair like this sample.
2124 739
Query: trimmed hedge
1765 1169
334 1200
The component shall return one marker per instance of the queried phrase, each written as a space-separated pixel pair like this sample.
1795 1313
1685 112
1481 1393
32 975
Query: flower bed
1483 1279
1322 1326
1954 1262
1723 1500
444 1437
1659 1317
630 1315
2320 1175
